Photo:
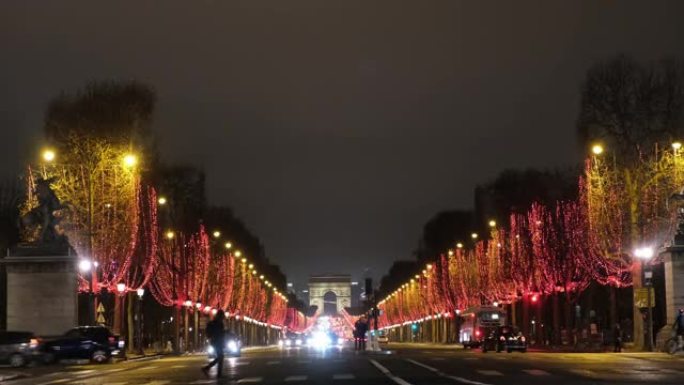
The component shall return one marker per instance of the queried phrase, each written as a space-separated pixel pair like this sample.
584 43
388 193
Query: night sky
335 129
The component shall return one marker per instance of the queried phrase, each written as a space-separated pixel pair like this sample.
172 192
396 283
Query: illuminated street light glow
644 253
429 266
492 223
597 149
473 235
84 265
170 234
120 287
161 201
244 260
451 252
130 160
238 253
217 234
140 292
49 155
228 245
251 266
677 145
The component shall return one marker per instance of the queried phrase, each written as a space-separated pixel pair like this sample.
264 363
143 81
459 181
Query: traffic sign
641 297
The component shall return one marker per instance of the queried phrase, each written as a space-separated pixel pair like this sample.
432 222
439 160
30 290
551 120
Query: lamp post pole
140 293
645 254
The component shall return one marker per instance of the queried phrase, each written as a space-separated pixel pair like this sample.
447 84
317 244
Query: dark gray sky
334 128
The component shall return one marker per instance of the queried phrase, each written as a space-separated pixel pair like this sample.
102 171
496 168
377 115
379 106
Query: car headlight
522 338
121 344
288 342
298 342
210 350
232 346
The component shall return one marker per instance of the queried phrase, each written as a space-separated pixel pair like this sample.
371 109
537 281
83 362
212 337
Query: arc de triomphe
338 284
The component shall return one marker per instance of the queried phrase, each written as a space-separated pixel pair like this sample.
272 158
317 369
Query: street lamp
84 265
48 155
677 146
130 160
217 234
120 288
138 323
492 223
459 245
597 149
228 245
161 201
645 254
473 235
170 234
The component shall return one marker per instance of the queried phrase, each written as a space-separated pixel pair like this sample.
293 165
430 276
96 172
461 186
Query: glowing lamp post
645 254
138 324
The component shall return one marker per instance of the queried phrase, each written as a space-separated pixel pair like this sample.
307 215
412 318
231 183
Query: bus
478 323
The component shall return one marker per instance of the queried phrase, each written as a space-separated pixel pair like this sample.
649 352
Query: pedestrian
678 328
360 329
617 338
216 334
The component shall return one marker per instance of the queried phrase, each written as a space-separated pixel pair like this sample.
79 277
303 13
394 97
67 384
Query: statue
43 214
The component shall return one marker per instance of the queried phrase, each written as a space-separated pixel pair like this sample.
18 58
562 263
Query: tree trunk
526 316
556 320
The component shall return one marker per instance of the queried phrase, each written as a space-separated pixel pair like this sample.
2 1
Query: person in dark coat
360 329
216 334
617 338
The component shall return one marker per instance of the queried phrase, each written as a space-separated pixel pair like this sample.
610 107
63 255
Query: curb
10 377
145 358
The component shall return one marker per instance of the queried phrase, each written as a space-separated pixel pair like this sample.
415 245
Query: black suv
95 343
17 348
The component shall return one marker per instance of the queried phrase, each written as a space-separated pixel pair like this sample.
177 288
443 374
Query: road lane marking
388 374
490 372
536 372
200 382
149 368
439 373
60 381
115 383
250 380
158 382
273 363
113 370
295 378
178 366
83 372
437 358
345 376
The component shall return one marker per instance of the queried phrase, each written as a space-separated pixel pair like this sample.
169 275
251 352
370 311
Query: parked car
507 338
18 348
233 347
95 343
291 340
383 338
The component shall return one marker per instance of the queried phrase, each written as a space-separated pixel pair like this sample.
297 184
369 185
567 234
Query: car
233 346
95 343
291 340
18 348
383 338
507 338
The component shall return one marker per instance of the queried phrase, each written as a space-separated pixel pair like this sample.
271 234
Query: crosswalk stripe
490 372
178 366
536 372
149 368
345 376
83 372
250 380
295 378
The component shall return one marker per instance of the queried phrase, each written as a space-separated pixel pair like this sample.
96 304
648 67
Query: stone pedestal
42 291
673 260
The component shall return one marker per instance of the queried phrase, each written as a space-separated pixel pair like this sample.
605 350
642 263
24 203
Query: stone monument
42 275
673 261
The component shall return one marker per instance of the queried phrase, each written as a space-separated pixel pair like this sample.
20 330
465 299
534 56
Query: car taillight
502 338
477 333
522 338
112 340
34 343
